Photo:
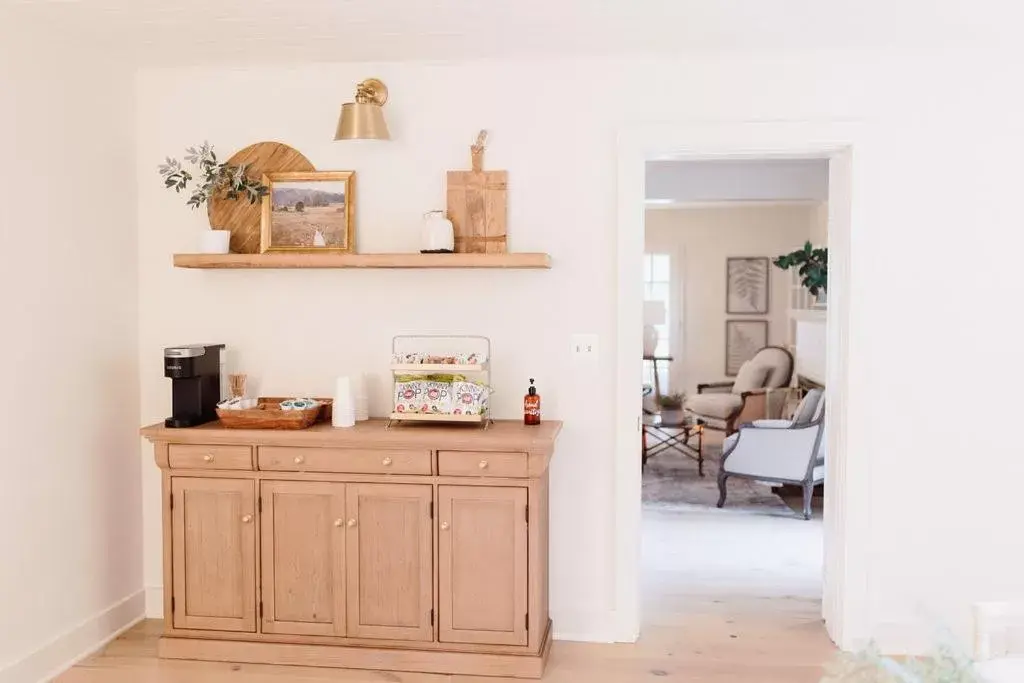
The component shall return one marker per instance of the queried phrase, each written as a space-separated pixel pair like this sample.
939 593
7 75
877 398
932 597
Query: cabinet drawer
287 459
481 464
211 457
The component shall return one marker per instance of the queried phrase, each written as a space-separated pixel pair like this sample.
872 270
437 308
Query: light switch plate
584 346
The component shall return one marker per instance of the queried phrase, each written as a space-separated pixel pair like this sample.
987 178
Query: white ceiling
727 180
163 32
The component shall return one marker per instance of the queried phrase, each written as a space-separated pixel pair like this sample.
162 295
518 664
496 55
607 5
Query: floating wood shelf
306 260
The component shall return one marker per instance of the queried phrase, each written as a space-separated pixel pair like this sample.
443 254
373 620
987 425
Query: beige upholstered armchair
725 405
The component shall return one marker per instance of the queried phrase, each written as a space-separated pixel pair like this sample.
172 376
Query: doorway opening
734 392
844 524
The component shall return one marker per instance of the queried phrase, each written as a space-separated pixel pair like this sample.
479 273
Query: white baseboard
589 627
154 602
910 638
76 644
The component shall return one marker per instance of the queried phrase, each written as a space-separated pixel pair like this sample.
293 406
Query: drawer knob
482 465
386 461
444 526
246 519
339 522
299 459
208 457
351 522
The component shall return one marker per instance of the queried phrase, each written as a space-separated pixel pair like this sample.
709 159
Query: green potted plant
671 406
812 265
214 179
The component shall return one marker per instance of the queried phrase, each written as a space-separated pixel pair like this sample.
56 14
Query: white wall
70 502
819 226
700 240
937 167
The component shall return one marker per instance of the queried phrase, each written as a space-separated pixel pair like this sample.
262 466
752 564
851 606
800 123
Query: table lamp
654 314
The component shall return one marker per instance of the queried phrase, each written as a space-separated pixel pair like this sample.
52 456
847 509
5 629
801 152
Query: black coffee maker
195 389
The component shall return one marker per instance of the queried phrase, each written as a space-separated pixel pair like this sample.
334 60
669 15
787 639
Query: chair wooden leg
808 495
722 476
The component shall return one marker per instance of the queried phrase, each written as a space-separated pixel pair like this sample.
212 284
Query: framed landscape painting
743 339
746 286
308 211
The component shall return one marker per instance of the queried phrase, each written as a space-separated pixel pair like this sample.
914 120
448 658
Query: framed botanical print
743 339
308 211
747 285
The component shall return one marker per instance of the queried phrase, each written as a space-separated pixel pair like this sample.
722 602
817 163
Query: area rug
670 481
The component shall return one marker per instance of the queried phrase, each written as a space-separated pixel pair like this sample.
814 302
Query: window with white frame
658 287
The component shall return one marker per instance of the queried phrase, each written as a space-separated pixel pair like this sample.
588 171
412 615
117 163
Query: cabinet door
303 558
213 553
390 561
482 546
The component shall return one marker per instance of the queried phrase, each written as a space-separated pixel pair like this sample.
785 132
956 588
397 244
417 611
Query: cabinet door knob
386 461
208 457
351 522
444 526
246 519
482 465
299 459
339 522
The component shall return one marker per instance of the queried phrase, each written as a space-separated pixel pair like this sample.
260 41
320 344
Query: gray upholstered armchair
723 405
780 451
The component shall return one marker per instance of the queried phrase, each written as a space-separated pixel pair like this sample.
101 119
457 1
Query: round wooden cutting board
241 217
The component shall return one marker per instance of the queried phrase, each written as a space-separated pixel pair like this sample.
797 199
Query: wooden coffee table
673 436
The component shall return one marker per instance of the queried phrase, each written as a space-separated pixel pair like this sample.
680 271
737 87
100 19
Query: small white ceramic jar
438 234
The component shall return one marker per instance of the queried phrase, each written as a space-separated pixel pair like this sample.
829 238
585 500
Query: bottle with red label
531 406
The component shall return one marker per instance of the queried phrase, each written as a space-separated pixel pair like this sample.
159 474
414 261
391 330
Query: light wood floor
709 649
726 598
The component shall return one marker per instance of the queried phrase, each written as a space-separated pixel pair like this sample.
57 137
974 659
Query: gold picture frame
301 215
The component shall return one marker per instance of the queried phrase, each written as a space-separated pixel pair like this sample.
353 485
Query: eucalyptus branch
214 178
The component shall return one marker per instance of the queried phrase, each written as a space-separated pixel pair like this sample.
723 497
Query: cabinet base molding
379 659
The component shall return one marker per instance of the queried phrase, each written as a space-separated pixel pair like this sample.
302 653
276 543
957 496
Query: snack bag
436 397
469 398
409 390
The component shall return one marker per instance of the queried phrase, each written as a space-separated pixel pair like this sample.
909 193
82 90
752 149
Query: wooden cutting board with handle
238 215
478 205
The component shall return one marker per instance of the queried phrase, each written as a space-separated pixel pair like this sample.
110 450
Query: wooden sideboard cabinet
419 548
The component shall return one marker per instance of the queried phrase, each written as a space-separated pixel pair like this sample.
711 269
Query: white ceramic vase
215 242
438 233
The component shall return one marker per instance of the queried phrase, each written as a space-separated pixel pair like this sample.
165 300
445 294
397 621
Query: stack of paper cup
362 400
344 409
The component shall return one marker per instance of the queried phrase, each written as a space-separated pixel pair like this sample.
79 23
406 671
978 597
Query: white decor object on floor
344 410
999 641
214 241
361 398
654 314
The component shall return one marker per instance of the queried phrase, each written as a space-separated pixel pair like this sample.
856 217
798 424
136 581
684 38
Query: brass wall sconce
364 118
